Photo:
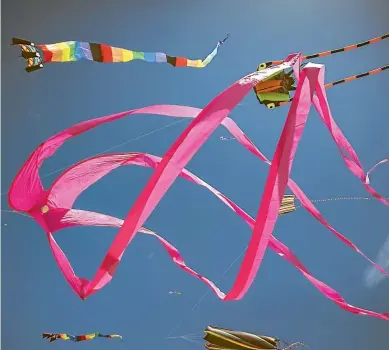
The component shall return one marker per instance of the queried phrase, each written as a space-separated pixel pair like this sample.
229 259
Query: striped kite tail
70 51
50 336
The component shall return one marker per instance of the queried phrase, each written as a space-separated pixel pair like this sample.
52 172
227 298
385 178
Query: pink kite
52 208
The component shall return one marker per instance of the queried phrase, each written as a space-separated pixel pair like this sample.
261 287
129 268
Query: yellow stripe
65 49
194 63
128 55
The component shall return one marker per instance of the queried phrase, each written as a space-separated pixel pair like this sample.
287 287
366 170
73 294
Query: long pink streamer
27 192
347 152
87 169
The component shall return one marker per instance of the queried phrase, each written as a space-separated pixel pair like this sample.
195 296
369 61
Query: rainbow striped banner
70 51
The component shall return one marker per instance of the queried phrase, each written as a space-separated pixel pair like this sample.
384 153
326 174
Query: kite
69 51
226 138
225 339
53 210
76 338
174 292
275 90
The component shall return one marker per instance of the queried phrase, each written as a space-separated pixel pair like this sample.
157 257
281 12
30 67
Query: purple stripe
85 51
160 57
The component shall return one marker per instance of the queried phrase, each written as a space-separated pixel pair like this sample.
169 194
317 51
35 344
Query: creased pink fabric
347 152
86 169
27 193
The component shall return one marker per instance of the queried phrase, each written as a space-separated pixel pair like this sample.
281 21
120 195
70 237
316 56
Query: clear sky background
136 304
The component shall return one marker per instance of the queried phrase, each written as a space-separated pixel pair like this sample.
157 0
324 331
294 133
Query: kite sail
76 338
275 90
225 339
37 55
53 208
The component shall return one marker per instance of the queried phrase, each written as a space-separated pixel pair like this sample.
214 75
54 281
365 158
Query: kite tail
70 51
30 54
77 338
111 336
55 336
221 42
50 336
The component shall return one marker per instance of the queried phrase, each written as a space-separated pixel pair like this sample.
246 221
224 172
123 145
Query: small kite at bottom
224 339
77 338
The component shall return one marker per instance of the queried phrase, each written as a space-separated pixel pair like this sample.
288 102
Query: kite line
331 52
345 80
275 92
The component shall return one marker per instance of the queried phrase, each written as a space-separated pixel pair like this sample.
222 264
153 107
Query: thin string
203 296
340 199
123 143
178 325
118 145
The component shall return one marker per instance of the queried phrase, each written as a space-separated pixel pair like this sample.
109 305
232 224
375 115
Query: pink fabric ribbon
53 208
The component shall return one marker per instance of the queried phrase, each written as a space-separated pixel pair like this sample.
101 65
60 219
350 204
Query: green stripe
138 55
72 48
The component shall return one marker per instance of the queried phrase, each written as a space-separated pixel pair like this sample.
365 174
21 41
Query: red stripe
47 54
106 52
181 62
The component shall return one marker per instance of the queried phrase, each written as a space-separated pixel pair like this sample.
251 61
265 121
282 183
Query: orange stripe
325 53
351 47
346 80
375 40
375 71
117 55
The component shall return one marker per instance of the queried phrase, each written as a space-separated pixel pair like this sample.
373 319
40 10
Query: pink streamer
87 169
27 194
347 152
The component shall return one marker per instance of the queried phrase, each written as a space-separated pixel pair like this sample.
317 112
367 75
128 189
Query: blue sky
136 304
